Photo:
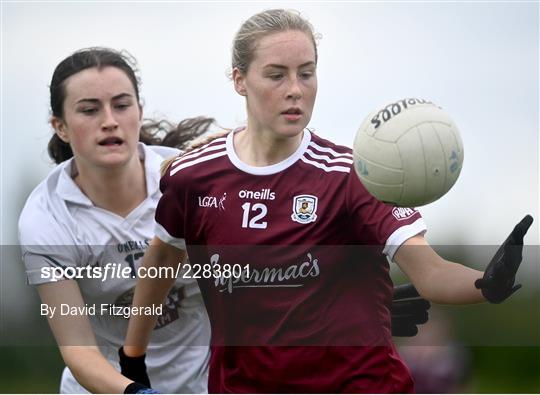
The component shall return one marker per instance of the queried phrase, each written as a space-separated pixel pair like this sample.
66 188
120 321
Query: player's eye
305 75
275 76
122 106
88 110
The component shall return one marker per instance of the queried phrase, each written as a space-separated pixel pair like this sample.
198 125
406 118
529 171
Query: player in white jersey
84 230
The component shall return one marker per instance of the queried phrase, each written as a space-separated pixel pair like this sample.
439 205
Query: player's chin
292 129
115 159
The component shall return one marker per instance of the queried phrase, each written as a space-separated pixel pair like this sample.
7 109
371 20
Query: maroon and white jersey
305 304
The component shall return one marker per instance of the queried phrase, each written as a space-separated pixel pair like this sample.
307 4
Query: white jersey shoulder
164 152
58 217
43 214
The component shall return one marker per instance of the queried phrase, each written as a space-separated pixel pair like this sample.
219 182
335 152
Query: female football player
85 228
278 228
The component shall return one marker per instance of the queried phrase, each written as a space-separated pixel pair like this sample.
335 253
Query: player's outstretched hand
134 368
500 275
138 388
408 310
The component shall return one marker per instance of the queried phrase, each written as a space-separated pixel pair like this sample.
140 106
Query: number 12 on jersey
256 212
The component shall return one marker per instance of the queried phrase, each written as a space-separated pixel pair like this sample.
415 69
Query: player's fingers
513 255
490 282
410 306
480 283
416 318
421 318
405 291
521 229
514 289
404 329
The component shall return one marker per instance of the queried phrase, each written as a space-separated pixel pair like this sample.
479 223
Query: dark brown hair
179 136
152 132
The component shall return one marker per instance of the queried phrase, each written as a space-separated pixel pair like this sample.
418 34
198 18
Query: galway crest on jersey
304 209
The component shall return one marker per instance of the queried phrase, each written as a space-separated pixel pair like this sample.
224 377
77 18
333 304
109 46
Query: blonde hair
166 163
262 24
193 145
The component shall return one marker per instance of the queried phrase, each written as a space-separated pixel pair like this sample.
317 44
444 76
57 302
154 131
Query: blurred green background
494 370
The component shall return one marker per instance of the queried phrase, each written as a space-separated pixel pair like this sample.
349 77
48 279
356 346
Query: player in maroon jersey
288 244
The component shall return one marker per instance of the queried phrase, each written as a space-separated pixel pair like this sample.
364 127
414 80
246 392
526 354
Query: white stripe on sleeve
401 235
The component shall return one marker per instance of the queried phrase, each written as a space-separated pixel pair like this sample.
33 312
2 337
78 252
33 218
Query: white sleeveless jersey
59 227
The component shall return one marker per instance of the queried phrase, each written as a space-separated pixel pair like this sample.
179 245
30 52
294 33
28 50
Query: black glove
408 311
134 368
500 275
137 388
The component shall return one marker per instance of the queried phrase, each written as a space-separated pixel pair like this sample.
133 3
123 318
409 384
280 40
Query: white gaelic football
408 153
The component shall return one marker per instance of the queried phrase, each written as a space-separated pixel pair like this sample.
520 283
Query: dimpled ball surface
408 153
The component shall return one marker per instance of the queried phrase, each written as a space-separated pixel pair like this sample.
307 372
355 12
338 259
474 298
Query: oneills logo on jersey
304 209
401 213
263 194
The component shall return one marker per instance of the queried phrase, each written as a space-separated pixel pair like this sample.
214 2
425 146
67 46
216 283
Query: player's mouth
292 114
111 142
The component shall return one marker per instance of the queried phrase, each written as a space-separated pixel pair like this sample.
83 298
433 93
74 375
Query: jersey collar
68 190
152 163
266 170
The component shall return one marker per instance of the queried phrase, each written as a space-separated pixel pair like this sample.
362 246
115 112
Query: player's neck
118 190
264 148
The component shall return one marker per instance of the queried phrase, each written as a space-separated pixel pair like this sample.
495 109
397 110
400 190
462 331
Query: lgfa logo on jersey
212 201
304 209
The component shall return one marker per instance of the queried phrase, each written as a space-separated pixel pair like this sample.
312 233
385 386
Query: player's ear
60 128
239 81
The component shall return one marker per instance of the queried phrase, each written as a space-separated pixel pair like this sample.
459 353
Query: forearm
77 342
150 292
93 371
451 283
435 279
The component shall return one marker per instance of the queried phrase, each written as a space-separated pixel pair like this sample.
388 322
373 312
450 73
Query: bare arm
77 342
436 279
149 292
